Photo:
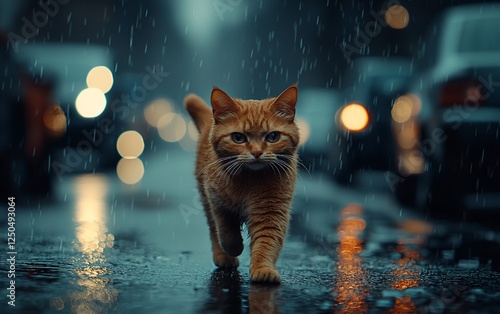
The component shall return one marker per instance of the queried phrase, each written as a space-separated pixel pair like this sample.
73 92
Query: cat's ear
222 104
285 103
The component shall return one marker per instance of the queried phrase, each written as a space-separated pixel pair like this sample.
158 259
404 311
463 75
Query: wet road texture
99 246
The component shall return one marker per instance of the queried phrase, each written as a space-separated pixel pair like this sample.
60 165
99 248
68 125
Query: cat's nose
257 154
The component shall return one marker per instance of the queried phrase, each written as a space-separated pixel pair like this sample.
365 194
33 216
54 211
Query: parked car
315 116
363 123
451 159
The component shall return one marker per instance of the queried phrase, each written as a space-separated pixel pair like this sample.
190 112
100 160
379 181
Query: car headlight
353 117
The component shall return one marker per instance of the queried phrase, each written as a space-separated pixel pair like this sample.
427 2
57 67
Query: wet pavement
100 246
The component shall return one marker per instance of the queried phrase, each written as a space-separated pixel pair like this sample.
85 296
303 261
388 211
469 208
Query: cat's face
255 134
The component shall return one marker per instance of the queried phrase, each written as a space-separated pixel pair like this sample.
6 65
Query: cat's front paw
232 247
225 261
264 274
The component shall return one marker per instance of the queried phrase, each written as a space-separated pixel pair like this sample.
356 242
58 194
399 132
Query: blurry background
399 118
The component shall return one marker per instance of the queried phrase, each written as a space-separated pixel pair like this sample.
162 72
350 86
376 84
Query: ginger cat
246 169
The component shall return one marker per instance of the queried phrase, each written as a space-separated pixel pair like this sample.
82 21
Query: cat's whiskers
233 168
275 170
219 160
222 166
299 162
287 169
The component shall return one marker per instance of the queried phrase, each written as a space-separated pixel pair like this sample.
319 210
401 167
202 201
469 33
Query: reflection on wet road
104 247
350 286
92 290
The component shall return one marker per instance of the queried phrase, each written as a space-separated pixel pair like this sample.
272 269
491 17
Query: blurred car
315 114
363 124
83 86
448 140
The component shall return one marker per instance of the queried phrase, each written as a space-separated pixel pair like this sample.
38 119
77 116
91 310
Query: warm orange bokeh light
155 110
397 17
100 77
130 144
354 117
54 120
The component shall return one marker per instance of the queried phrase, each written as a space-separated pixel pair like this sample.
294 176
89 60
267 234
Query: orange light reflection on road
407 271
350 289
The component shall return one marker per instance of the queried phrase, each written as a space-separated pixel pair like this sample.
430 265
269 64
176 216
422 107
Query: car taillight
460 93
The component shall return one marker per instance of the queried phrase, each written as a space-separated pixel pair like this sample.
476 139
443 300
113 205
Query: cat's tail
199 111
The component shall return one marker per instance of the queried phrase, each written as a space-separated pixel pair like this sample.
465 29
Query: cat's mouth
255 165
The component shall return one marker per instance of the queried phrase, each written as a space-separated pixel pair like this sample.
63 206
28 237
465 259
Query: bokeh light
187 144
130 171
54 120
172 127
397 17
354 117
407 135
155 110
91 102
401 111
304 130
130 144
405 107
100 77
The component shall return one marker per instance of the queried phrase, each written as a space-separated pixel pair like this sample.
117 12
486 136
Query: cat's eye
273 137
238 137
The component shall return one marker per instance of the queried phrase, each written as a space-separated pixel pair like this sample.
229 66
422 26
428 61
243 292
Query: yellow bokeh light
130 144
100 77
130 171
397 17
90 103
407 136
155 110
172 127
354 117
405 107
402 109
304 131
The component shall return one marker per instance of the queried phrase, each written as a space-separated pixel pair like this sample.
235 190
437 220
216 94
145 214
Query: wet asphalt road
99 246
